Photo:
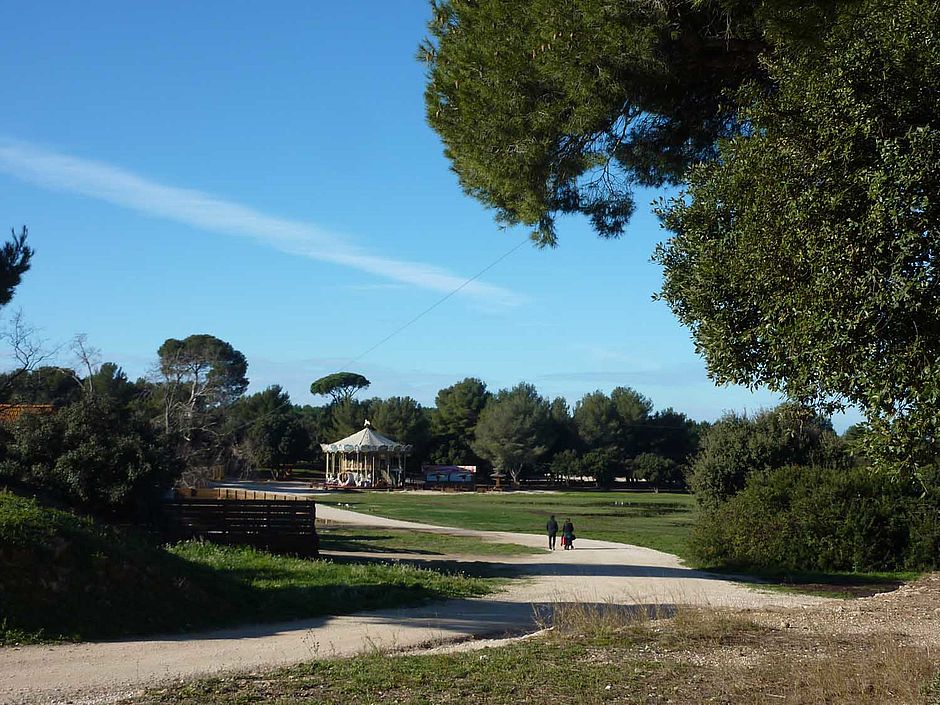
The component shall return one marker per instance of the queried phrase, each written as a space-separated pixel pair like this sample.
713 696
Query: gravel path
596 571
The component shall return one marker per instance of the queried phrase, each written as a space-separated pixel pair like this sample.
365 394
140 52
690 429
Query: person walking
552 528
567 535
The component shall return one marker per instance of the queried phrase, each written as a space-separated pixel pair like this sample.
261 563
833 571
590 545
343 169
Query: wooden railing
282 526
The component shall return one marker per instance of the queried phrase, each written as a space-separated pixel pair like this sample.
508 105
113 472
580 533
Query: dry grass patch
640 655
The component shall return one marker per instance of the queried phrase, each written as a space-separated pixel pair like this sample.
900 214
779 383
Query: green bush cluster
92 455
829 519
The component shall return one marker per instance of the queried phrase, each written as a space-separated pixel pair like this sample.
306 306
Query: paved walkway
597 572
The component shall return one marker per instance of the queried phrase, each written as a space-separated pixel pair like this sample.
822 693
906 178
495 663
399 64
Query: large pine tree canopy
562 106
805 135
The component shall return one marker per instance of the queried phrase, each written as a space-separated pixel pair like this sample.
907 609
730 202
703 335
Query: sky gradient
265 174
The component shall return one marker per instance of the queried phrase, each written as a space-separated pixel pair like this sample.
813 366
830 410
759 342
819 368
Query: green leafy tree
597 421
455 416
94 455
512 430
347 417
200 377
42 385
805 258
659 471
562 431
402 419
737 446
565 465
267 429
602 464
672 435
317 425
633 412
110 381
618 424
340 386
199 373
550 107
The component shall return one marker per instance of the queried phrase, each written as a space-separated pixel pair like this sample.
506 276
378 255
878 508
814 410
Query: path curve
597 572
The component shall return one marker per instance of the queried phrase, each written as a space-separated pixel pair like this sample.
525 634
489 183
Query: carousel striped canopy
366 441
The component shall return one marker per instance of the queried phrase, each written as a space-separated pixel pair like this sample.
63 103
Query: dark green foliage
673 435
316 423
737 446
267 429
110 382
617 428
800 518
660 472
513 430
66 577
805 259
562 432
202 371
92 455
402 419
602 464
340 386
42 385
201 377
15 259
598 423
346 417
457 410
565 464
560 106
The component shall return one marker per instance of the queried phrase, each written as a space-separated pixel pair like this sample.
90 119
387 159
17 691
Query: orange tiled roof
11 412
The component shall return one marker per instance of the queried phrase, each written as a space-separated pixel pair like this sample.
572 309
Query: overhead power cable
401 327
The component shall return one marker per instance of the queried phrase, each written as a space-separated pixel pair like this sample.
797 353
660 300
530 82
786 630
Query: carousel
365 459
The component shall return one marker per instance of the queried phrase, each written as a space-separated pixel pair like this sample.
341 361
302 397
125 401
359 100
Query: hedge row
810 518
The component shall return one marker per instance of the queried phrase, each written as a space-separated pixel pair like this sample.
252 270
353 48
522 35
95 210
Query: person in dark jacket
567 535
552 528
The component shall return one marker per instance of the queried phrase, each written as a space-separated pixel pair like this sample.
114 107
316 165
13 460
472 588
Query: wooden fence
283 525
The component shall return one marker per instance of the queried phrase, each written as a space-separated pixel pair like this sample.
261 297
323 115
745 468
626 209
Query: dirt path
597 571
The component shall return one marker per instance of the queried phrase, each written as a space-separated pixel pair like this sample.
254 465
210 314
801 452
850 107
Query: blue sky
264 173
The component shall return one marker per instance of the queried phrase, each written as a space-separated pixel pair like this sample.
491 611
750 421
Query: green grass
529 672
419 543
659 521
68 578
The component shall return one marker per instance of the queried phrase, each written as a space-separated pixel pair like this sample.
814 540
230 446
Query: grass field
660 521
420 543
68 578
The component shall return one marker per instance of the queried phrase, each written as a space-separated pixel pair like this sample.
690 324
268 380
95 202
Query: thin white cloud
61 172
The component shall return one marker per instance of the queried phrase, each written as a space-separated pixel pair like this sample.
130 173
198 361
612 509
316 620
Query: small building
365 459
455 476
10 413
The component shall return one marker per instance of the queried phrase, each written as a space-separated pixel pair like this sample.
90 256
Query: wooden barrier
282 526
236 493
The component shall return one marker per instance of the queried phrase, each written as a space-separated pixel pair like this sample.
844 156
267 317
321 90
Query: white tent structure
365 459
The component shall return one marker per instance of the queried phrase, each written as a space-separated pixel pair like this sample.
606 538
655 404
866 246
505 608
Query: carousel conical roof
367 440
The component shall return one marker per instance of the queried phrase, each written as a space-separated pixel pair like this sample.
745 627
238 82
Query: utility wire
438 302
400 328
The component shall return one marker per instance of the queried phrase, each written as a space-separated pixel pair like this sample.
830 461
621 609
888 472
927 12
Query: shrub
737 446
811 518
92 455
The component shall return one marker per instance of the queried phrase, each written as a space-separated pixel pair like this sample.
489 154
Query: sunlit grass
659 521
